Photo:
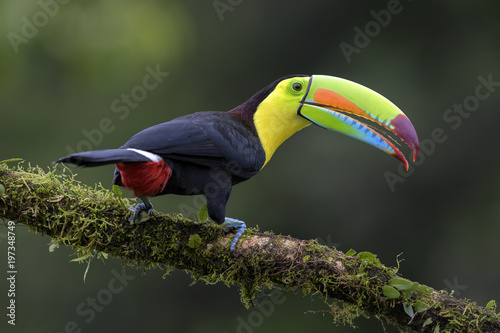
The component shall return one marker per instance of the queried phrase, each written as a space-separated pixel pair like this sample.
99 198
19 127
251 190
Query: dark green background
444 216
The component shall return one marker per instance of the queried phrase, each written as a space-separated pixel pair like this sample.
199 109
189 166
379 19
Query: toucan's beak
352 109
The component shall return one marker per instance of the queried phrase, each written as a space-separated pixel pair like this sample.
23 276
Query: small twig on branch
93 220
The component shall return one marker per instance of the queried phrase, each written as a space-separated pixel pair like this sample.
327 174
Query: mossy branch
93 220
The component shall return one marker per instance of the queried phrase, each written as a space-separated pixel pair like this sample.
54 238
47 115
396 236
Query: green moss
95 222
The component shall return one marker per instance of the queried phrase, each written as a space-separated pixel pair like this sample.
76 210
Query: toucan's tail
109 156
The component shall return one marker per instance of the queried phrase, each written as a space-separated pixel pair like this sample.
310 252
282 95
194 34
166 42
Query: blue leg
145 206
238 226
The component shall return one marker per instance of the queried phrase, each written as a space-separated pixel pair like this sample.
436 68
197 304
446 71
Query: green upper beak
342 105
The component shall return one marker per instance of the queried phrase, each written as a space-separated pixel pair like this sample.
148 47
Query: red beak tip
402 159
415 151
407 166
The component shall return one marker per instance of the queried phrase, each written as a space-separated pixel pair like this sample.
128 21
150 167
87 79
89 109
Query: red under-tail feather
145 179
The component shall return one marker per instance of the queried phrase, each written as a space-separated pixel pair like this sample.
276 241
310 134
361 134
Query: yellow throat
276 119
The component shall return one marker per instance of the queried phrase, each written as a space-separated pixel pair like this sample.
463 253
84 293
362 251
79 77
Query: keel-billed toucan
209 152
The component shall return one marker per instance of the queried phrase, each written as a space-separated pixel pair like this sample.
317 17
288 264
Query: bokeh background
72 78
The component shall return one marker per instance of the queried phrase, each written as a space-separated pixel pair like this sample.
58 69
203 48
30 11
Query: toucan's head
294 102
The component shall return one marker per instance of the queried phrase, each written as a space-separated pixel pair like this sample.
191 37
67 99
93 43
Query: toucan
206 153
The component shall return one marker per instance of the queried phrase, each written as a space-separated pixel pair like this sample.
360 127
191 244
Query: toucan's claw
145 206
238 226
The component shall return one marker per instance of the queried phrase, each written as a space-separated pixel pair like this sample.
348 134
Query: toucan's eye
297 86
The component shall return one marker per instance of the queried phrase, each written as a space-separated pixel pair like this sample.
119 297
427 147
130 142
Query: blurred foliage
98 44
444 216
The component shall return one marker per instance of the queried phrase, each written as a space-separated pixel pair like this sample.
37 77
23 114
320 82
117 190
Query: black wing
213 139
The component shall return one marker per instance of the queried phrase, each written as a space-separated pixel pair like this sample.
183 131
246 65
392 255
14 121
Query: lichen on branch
94 220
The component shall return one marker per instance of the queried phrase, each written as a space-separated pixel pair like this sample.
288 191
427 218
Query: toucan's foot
145 206
238 226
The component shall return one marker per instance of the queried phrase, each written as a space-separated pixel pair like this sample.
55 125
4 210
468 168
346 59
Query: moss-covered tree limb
95 220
